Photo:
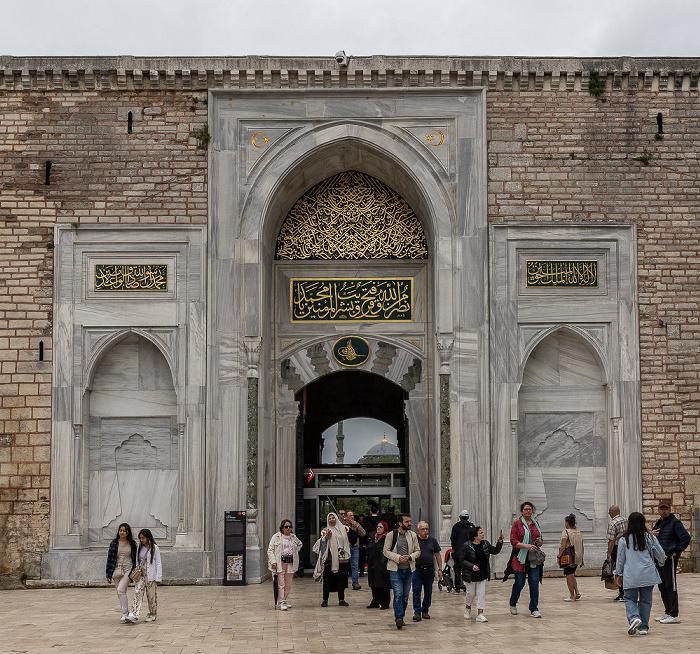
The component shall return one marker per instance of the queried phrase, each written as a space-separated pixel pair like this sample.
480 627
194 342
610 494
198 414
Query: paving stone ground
242 620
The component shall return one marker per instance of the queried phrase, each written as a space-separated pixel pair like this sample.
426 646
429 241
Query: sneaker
343 603
123 618
568 599
535 614
131 619
282 606
513 610
324 603
399 623
670 620
634 625
619 599
642 632
150 619
356 587
481 618
661 618
287 604
416 617
426 616
467 615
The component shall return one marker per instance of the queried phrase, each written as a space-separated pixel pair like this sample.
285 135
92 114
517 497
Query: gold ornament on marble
565 274
351 216
264 140
126 277
431 138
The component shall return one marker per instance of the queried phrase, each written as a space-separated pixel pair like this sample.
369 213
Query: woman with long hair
150 576
636 573
333 549
378 576
121 560
283 561
572 536
525 536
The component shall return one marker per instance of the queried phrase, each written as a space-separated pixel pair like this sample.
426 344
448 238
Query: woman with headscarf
378 575
333 549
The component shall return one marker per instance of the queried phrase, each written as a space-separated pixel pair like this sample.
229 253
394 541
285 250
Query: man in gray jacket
401 549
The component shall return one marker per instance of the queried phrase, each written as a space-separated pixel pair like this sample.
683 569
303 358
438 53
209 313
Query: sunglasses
287 527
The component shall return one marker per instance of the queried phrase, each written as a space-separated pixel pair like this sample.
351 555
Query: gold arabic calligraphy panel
356 299
566 274
131 277
351 216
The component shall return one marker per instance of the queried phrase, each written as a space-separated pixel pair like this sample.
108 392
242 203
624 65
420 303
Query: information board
234 548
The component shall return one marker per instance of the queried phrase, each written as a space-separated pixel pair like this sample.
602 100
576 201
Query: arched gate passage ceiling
345 395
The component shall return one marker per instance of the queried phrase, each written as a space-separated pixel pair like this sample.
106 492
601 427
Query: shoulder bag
568 556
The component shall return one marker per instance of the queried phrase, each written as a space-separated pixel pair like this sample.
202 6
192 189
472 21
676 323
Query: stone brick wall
557 156
99 173
556 153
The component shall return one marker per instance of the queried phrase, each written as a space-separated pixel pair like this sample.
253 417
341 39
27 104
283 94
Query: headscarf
337 541
378 537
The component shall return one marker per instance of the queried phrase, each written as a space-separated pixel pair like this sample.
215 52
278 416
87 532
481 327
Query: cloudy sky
360 27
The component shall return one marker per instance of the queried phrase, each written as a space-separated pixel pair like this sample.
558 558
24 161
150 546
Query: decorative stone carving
445 523
444 347
252 538
252 353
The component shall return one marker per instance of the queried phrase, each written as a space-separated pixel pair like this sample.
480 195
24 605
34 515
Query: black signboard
234 548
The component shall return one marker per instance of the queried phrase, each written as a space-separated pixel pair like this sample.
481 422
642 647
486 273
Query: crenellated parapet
256 72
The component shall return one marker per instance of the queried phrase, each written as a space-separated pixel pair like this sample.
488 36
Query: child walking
148 561
474 559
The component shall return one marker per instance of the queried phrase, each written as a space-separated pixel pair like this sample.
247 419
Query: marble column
252 351
444 347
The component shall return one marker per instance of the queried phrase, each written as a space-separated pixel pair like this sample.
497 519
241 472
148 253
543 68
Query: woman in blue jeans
525 535
636 573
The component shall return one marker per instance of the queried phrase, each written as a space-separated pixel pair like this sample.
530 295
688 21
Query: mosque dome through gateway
383 452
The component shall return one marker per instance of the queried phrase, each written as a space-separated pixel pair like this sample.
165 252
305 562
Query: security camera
342 58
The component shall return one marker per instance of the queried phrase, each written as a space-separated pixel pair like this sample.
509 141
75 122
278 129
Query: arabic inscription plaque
145 277
353 299
565 274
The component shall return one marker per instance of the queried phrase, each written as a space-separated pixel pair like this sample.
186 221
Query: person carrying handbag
571 555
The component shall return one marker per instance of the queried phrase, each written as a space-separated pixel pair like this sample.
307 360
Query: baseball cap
665 503
464 513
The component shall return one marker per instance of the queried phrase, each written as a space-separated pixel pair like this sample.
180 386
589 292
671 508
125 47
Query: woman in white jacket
148 563
283 561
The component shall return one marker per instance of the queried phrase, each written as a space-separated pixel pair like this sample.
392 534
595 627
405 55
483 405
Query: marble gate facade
515 387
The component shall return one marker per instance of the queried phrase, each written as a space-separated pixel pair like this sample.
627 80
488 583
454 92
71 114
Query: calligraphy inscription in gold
351 216
131 277
353 299
566 274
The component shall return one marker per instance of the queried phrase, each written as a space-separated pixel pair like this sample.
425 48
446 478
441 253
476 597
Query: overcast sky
360 27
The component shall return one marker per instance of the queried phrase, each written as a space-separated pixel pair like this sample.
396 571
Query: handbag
607 571
287 558
536 556
568 556
135 574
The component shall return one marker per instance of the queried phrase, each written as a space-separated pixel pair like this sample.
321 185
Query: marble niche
132 443
562 441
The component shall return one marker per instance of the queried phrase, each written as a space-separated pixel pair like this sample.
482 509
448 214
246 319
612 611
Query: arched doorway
354 465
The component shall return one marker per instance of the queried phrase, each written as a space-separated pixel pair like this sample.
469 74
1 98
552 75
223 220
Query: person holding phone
474 559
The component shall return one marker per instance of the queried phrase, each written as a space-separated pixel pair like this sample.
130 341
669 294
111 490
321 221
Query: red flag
309 476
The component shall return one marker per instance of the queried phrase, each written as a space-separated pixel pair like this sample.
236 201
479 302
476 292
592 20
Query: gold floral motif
351 216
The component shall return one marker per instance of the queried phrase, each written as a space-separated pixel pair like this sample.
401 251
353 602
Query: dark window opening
129 122
660 122
41 350
47 178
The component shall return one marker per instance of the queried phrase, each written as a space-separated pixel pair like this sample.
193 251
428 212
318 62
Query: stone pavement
242 620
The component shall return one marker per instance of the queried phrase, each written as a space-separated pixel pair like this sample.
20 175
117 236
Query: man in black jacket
459 536
674 538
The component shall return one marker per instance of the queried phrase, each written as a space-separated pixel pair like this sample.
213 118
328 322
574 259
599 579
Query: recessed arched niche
132 443
562 434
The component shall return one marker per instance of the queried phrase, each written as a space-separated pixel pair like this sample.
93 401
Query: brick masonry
555 153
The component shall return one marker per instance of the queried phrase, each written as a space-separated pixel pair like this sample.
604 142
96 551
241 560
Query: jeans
354 563
533 581
424 581
401 585
638 604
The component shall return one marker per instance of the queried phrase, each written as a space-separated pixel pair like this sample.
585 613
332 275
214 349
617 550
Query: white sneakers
283 606
642 632
661 618
150 618
670 620
467 615
513 609
481 618
535 614
123 618
634 625
131 619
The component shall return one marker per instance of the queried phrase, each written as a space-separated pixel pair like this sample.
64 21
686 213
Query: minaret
340 437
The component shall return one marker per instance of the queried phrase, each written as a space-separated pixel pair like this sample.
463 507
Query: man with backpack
401 549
